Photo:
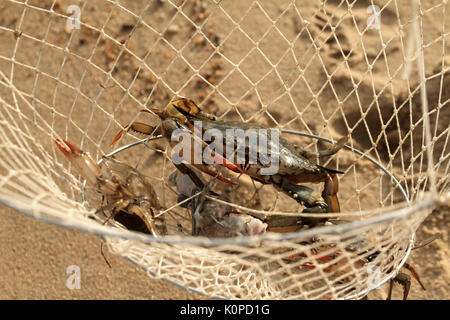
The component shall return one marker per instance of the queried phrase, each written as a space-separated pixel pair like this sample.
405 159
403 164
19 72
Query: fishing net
375 71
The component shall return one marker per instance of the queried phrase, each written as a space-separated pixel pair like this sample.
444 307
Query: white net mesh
377 71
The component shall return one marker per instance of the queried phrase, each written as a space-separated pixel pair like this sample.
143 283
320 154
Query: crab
366 259
295 164
404 279
129 196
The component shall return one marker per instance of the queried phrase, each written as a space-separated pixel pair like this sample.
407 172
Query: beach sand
34 255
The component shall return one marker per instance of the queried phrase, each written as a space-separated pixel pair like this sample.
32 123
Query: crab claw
330 191
82 162
224 162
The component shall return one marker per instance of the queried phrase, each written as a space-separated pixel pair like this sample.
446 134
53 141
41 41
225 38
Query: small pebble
198 41
173 28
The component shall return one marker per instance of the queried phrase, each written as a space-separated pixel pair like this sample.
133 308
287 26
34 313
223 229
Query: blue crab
295 164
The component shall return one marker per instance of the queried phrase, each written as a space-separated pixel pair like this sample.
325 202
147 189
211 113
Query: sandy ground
35 255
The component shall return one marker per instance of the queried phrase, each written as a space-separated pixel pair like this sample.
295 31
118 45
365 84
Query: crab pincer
82 162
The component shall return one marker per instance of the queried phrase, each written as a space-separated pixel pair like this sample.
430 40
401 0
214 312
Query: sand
35 255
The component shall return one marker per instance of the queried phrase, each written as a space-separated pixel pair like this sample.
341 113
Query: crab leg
414 274
143 128
329 193
315 202
404 280
149 221
138 127
307 196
